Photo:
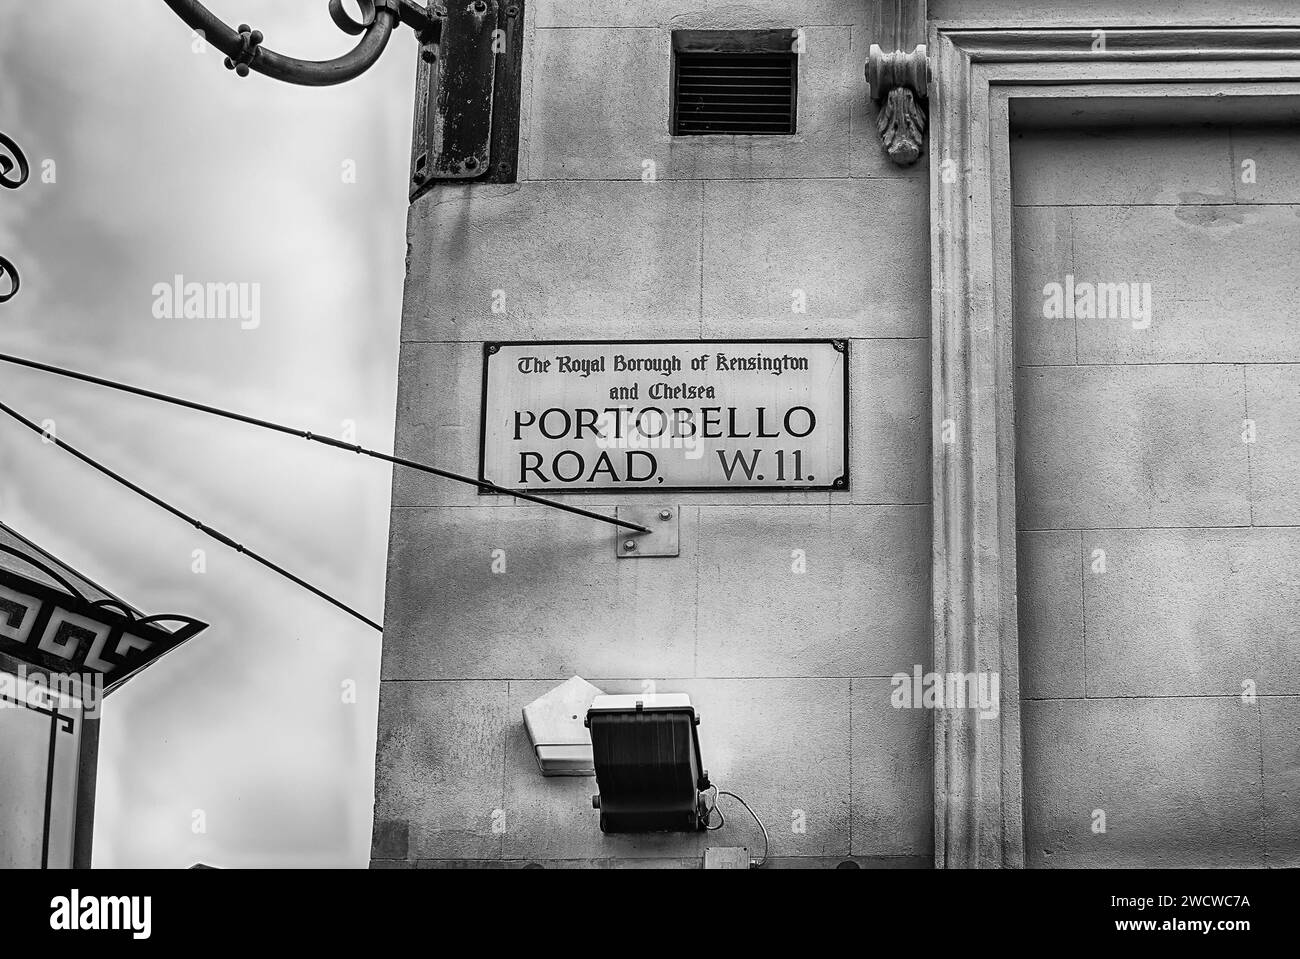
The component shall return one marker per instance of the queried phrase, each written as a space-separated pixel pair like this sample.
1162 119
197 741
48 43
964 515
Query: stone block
1273 402
1194 612
1210 269
1177 779
893 774
1127 446
1280 723
889 416
438 769
1049 567
1121 165
554 260
862 606
856 251
561 603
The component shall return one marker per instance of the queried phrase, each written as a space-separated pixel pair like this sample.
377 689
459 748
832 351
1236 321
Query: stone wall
789 670
1129 442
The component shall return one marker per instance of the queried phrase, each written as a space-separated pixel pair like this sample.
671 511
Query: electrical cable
202 528
708 813
723 792
308 435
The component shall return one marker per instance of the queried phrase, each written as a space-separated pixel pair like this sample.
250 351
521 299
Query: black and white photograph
444 441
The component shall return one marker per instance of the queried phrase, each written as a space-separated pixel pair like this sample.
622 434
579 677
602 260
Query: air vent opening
734 82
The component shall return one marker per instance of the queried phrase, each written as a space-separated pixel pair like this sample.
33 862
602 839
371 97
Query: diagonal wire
308 435
201 527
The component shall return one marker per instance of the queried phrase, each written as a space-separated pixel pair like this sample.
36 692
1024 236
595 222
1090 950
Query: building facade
1073 433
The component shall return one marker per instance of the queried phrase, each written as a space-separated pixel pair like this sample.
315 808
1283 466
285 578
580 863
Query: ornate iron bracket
244 50
15 159
899 81
468 87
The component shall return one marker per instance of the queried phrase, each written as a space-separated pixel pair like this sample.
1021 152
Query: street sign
647 416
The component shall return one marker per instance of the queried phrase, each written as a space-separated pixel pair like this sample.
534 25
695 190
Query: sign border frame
841 484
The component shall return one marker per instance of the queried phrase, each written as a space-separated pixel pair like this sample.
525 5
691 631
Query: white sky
166 164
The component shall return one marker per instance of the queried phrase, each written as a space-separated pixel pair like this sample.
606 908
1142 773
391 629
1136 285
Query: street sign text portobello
696 414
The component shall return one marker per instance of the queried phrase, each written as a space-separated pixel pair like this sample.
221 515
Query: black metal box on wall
647 756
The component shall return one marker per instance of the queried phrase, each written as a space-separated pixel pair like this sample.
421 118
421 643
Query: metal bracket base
468 92
663 539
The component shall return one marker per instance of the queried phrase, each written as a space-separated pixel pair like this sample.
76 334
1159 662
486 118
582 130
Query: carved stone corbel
899 81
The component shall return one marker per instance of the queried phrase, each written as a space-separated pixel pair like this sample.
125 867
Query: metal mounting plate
468 94
462 117
663 539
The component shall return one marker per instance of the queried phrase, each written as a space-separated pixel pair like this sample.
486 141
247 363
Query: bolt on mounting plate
663 539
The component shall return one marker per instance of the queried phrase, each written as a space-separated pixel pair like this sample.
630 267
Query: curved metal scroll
7 165
244 50
8 272
12 158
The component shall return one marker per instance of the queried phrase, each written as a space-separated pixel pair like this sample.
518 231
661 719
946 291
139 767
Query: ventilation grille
730 93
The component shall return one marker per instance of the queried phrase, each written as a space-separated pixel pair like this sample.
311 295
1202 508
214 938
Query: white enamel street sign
629 416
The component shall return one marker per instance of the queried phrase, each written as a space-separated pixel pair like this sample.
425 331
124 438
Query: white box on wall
555 724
